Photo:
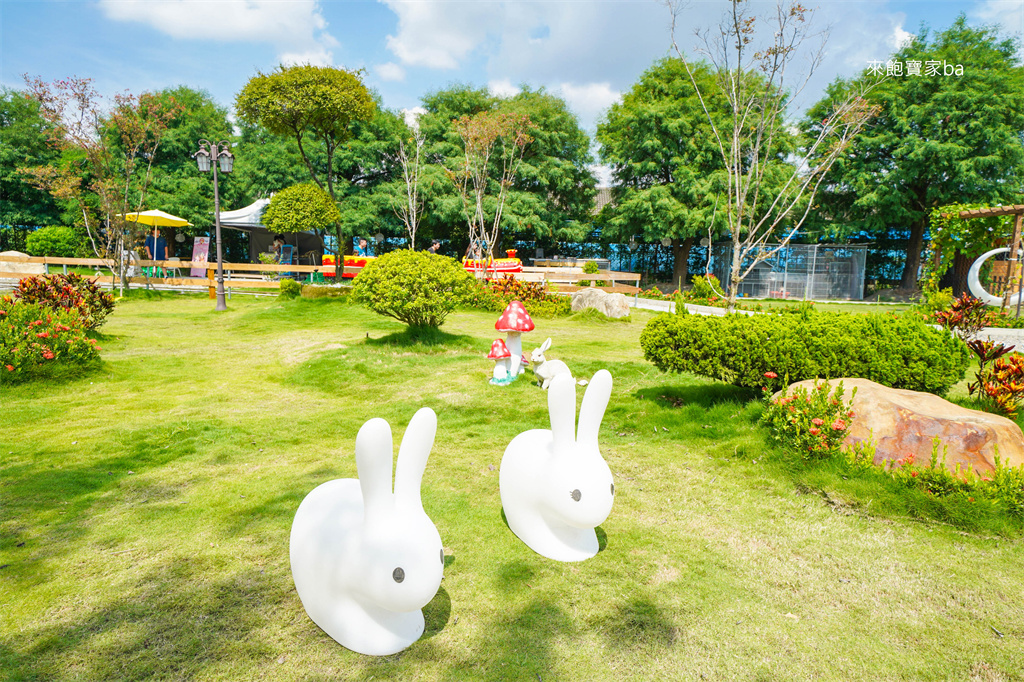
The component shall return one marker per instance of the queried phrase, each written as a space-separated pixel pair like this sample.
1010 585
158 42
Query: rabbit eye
613 488
576 494
442 556
398 574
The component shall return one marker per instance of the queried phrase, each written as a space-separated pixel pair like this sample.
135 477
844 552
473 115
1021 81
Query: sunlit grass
145 512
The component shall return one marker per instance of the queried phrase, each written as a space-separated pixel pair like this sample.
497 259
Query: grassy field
145 512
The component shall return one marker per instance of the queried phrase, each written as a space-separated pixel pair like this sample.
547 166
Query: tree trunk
339 259
681 251
908 282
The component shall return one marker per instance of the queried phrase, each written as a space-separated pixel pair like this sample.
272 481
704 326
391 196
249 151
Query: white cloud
390 72
438 35
295 28
503 88
588 101
1009 14
901 38
603 174
412 116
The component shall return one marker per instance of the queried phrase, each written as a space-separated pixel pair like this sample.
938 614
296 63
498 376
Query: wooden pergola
1016 210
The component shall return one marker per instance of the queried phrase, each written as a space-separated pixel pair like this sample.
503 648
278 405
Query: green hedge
900 351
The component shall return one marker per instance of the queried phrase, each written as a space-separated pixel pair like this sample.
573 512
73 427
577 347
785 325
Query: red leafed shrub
68 292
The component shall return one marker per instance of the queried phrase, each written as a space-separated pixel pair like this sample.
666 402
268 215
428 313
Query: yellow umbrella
156 219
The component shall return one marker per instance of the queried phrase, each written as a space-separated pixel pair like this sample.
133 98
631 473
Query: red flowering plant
812 424
72 292
36 340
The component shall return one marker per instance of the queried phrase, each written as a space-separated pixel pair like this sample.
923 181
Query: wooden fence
250 275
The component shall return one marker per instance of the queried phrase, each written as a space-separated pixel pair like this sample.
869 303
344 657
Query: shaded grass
145 512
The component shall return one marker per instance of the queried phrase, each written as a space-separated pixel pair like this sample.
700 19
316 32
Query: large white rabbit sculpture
555 485
366 560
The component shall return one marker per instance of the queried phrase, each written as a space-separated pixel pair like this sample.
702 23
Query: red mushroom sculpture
502 362
514 321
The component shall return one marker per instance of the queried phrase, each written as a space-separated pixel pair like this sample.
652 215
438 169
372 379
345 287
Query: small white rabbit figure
545 370
365 559
555 485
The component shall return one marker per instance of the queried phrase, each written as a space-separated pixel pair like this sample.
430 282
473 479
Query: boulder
904 422
12 267
612 305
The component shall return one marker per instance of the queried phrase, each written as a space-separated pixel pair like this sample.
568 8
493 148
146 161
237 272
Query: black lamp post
208 152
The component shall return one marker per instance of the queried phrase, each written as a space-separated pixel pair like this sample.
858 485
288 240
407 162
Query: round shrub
37 341
56 241
68 292
290 288
900 351
414 287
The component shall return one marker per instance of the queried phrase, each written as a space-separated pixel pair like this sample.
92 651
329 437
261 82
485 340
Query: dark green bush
414 287
900 351
68 292
55 240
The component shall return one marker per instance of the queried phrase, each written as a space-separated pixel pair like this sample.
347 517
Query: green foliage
950 234
894 350
23 135
937 139
497 294
37 341
72 292
55 240
591 268
299 208
811 424
414 287
290 288
314 291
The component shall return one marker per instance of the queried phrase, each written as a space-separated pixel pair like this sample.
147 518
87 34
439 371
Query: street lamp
208 152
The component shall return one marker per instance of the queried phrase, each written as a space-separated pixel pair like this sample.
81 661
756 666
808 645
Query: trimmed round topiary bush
900 351
290 288
414 287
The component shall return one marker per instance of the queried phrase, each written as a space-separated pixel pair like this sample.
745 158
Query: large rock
612 305
12 268
904 422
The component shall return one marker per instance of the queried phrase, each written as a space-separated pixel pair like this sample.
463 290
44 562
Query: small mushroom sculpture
502 363
515 321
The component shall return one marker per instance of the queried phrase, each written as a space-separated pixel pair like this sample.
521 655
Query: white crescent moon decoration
974 284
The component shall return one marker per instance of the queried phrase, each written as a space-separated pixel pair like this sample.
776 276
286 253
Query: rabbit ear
544 346
595 401
562 407
373 462
412 457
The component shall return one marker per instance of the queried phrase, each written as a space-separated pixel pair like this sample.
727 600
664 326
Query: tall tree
23 144
664 158
110 155
754 60
942 135
308 103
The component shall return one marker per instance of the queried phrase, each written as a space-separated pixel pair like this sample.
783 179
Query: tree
299 208
767 199
668 173
938 138
306 101
107 154
23 144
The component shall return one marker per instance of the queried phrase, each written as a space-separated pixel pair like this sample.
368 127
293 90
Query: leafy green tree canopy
938 139
300 208
302 100
23 143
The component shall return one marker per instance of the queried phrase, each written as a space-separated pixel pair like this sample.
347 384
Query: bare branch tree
484 135
769 196
410 207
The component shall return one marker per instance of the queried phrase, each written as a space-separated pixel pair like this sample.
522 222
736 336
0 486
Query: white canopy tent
249 219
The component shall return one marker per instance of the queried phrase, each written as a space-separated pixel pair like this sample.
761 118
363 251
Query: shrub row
900 351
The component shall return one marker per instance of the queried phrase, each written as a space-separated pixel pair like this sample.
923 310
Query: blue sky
587 52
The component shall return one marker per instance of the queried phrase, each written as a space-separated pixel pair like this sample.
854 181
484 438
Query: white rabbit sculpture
545 370
365 559
555 485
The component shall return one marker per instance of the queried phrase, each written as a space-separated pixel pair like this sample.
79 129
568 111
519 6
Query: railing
247 275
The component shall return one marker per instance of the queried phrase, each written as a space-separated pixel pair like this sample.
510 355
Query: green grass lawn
145 513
